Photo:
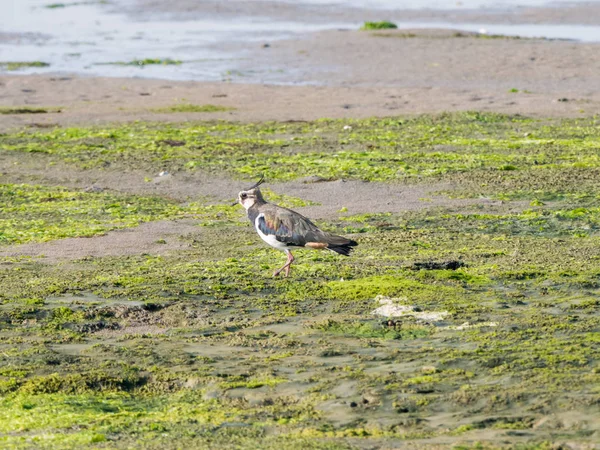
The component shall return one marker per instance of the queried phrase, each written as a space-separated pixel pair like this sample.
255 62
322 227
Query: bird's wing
288 226
292 228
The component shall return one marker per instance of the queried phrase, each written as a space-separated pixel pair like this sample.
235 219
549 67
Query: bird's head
249 197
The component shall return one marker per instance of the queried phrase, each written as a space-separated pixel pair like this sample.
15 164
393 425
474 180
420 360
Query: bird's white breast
268 238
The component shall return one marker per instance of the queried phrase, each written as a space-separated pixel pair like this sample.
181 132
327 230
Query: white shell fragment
467 325
392 307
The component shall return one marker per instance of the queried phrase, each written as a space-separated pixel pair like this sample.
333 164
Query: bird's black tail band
343 249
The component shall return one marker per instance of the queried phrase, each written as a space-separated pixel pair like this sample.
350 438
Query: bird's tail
342 248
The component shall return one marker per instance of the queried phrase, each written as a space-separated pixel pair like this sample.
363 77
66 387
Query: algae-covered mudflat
493 273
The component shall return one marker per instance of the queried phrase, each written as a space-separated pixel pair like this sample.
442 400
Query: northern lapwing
285 229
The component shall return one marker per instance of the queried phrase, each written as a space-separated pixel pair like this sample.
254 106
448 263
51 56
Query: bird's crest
258 183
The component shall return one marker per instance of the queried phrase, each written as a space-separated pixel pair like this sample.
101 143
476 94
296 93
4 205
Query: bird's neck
256 206
254 211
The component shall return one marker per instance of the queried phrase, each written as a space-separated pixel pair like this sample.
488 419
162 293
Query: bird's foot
285 270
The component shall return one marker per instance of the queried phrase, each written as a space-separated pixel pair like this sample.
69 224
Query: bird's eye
244 195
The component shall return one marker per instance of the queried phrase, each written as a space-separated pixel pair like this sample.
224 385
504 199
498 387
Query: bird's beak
234 203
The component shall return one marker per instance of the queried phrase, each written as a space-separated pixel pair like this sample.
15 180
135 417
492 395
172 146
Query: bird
286 230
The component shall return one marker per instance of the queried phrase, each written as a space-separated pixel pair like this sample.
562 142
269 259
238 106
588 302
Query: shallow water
85 37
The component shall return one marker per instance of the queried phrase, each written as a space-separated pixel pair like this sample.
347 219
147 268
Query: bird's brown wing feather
294 229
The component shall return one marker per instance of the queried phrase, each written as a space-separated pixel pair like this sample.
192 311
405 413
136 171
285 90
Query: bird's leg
286 266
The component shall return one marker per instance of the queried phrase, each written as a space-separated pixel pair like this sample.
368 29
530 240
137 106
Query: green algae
383 25
146 62
28 110
470 147
190 108
285 200
201 347
16 65
527 350
65 5
426 35
39 213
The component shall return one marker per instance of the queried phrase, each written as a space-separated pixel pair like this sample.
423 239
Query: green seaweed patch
516 91
140 347
481 35
49 421
251 383
61 316
536 197
370 222
146 62
463 147
398 35
190 108
16 65
382 25
29 109
81 383
37 213
444 34
542 221
388 286
65 5
287 201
